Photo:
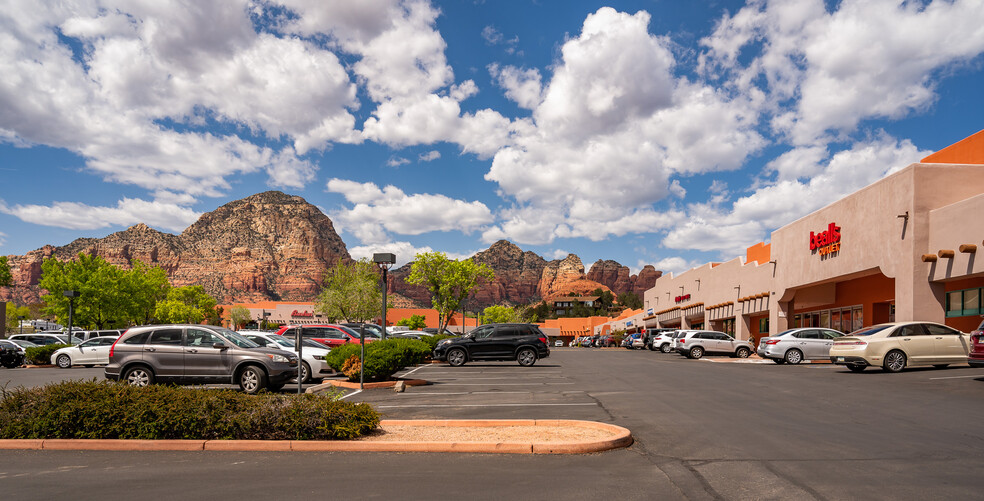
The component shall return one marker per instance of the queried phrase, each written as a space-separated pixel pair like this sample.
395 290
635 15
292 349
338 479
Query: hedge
41 355
383 358
112 410
433 340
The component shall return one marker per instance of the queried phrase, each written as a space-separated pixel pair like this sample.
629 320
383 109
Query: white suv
662 341
694 344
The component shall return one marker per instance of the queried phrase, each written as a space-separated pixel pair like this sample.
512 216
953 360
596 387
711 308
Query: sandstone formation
517 275
268 246
566 278
619 279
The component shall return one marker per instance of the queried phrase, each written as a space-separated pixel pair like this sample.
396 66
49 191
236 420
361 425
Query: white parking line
496 378
471 393
482 405
356 392
955 377
499 384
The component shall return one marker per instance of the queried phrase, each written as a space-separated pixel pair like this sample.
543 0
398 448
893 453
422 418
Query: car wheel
139 376
252 379
779 361
743 352
665 348
696 352
64 361
894 361
11 364
857 368
652 348
457 357
305 372
794 356
526 357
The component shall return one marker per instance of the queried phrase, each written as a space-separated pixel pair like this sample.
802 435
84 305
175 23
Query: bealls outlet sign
826 242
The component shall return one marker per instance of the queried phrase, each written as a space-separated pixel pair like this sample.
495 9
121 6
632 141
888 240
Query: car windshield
23 342
867 331
371 331
312 344
235 338
282 341
354 333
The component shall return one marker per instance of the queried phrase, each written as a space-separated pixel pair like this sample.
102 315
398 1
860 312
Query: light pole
20 321
384 260
71 295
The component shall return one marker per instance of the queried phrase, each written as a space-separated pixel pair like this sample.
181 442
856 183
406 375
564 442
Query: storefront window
825 319
835 320
964 302
729 326
858 315
972 299
764 325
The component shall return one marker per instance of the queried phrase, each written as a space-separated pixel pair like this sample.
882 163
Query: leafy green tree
351 292
240 316
144 287
630 300
414 322
497 314
185 305
14 311
6 279
540 312
101 303
448 280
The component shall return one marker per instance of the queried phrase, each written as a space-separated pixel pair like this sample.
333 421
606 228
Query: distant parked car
795 345
43 339
313 366
524 343
330 335
694 344
10 355
17 346
976 356
558 343
662 341
198 354
95 351
895 346
371 329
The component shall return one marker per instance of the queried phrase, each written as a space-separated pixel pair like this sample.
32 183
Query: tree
185 305
14 311
497 314
144 287
630 300
414 322
6 279
240 316
101 302
448 280
351 292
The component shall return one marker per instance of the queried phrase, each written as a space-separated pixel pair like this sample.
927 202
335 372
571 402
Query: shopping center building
902 248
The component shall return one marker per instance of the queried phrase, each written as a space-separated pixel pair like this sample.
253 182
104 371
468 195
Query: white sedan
313 367
88 353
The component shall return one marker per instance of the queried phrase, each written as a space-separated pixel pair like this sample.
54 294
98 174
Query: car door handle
191 351
941 337
150 349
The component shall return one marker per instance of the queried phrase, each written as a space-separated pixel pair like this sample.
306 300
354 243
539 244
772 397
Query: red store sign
826 242
685 297
296 313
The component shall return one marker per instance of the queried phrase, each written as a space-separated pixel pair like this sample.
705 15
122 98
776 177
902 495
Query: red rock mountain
274 246
268 246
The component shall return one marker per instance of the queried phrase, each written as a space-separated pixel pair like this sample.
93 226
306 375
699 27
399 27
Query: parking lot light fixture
71 295
384 260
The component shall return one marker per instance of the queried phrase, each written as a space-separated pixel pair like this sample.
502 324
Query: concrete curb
620 437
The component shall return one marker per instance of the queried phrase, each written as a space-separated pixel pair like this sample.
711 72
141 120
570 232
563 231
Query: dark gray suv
197 354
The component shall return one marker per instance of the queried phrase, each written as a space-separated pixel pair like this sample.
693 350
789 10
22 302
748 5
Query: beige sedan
898 345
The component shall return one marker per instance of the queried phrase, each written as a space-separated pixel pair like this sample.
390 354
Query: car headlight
319 357
444 342
279 358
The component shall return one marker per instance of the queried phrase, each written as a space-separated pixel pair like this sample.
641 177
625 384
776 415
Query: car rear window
139 338
867 331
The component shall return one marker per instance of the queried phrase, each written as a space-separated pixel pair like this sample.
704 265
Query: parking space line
955 377
356 392
528 404
500 384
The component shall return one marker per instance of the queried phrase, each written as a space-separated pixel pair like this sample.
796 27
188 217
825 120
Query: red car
330 335
976 358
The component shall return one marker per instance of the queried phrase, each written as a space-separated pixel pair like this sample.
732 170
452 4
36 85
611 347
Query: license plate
840 359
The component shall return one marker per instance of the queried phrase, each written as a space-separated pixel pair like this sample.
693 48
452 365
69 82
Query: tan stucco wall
949 228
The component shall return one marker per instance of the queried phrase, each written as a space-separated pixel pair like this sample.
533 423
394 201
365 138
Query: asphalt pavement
722 429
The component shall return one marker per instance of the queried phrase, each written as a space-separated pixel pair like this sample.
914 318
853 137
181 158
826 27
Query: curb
621 437
380 384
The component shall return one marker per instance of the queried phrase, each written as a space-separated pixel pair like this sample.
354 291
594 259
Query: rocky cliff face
619 279
565 278
517 275
269 246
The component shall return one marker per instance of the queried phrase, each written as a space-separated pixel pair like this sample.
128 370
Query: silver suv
197 354
662 341
694 344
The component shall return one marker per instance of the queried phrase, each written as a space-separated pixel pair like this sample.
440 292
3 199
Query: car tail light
850 343
772 341
543 340
111 348
682 340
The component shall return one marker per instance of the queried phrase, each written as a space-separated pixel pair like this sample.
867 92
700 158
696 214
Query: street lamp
20 321
384 260
71 295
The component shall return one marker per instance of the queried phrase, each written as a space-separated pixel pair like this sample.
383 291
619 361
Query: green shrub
383 358
41 355
433 340
105 409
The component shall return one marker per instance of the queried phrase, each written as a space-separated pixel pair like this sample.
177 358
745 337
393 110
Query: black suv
523 343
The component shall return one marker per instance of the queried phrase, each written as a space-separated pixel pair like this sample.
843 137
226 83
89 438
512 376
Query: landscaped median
104 415
501 436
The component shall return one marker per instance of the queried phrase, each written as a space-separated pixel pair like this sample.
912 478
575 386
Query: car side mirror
220 346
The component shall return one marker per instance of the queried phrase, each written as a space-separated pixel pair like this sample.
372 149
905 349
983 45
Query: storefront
903 248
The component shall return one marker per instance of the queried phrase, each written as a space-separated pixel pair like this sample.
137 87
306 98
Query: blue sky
649 132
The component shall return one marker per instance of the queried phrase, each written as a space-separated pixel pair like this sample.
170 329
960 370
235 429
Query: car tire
526 357
779 361
11 364
793 356
696 352
857 368
652 348
63 361
305 373
252 379
457 357
139 376
743 352
894 361
665 348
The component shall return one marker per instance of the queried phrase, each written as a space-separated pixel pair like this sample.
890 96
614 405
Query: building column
743 326
917 298
684 323
780 316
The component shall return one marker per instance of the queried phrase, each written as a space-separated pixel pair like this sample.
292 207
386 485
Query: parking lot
704 429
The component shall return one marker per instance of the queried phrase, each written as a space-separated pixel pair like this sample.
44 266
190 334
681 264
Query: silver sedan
795 345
